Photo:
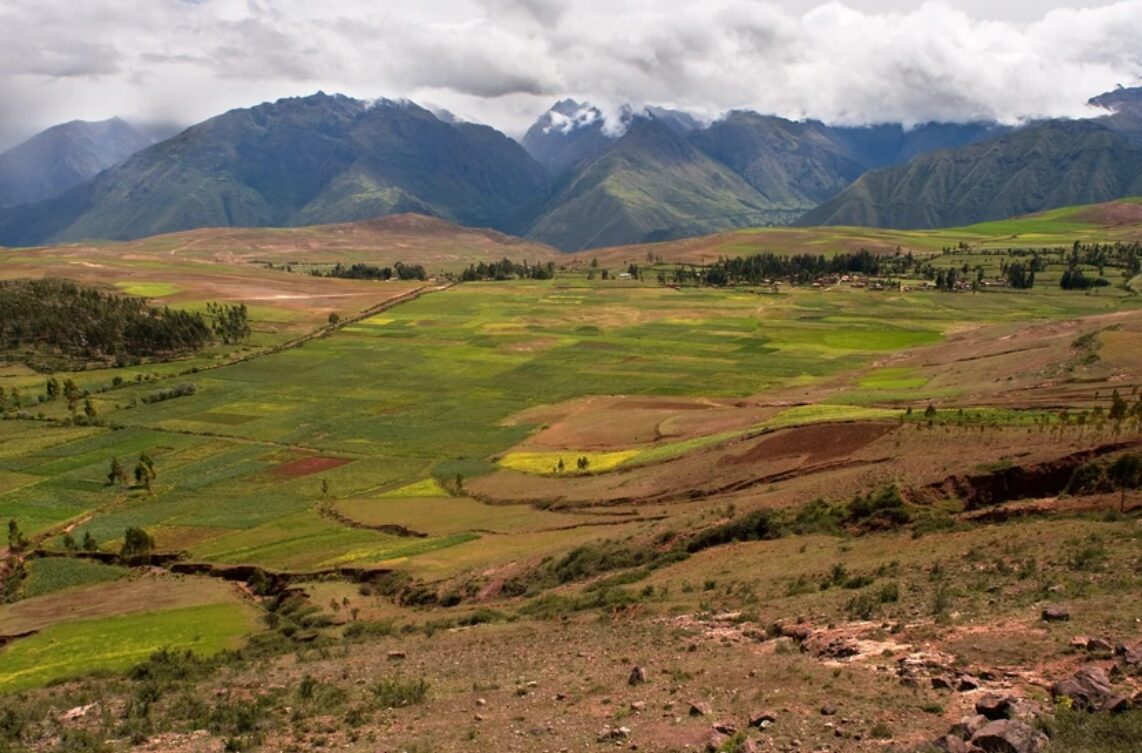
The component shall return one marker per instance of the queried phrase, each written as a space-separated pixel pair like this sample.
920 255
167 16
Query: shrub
396 692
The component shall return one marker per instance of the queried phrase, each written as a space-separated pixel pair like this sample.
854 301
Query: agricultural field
651 474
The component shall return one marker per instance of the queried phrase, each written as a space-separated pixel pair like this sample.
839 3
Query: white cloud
504 61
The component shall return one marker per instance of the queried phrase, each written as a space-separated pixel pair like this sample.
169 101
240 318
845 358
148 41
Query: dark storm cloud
503 61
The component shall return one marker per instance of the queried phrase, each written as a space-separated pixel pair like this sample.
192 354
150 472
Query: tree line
506 269
85 322
359 271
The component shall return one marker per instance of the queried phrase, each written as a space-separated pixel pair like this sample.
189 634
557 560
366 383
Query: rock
941 683
78 712
561 696
715 740
762 719
1089 689
609 734
1117 705
796 631
637 676
1099 645
1009 736
697 708
964 683
1132 656
993 706
1079 642
481 702
966 727
1056 613
396 655
726 728
1024 710
953 744
838 648
479 717
638 706
828 709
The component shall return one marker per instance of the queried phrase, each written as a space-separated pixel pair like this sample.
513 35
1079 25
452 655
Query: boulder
953 744
1056 613
966 727
726 728
964 683
993 706
697 708
941 683
1089 689
1009 736
1098 645
828 709
637 676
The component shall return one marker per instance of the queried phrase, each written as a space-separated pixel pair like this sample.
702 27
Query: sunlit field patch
548 462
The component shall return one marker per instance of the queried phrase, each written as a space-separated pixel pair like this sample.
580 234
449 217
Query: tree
89 408
89 543
137 543
144 475
1118 407
334 317
72 392
16 540
1125 473
70 544
53 388
930 411
117 474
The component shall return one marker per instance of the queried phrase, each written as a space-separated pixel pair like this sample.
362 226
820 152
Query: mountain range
64 156
575 180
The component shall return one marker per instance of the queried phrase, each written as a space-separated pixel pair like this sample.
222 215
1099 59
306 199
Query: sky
504 62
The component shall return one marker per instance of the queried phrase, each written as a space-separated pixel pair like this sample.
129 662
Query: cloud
505 61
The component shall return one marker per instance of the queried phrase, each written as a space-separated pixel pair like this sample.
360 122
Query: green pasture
71 649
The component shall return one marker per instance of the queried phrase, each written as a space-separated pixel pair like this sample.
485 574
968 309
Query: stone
1089 689
953 744
828 709
1009 736
609 734
726 728
637 676
697 708
396 655
1099 645
966 727
638 706
964 683
762 719
1056 613
993 706
941 683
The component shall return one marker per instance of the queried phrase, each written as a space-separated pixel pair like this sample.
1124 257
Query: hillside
295 161
649 185
62 157
1052 164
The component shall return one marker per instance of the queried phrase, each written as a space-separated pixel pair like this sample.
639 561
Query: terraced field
509 447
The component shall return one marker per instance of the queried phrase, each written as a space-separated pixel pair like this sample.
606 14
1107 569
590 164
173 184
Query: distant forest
85 322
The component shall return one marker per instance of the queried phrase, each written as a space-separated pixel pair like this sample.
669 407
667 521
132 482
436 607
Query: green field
71 649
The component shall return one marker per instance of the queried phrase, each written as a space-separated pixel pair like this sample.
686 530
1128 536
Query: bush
179 390
882 510
1095 733
396 693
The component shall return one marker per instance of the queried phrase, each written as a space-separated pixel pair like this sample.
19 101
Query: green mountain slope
295 161
1051 164
649 185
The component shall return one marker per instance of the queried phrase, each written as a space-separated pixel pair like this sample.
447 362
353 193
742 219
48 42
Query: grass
72 649
548 462
50 574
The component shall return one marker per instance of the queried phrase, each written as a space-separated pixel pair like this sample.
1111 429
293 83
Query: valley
581 512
